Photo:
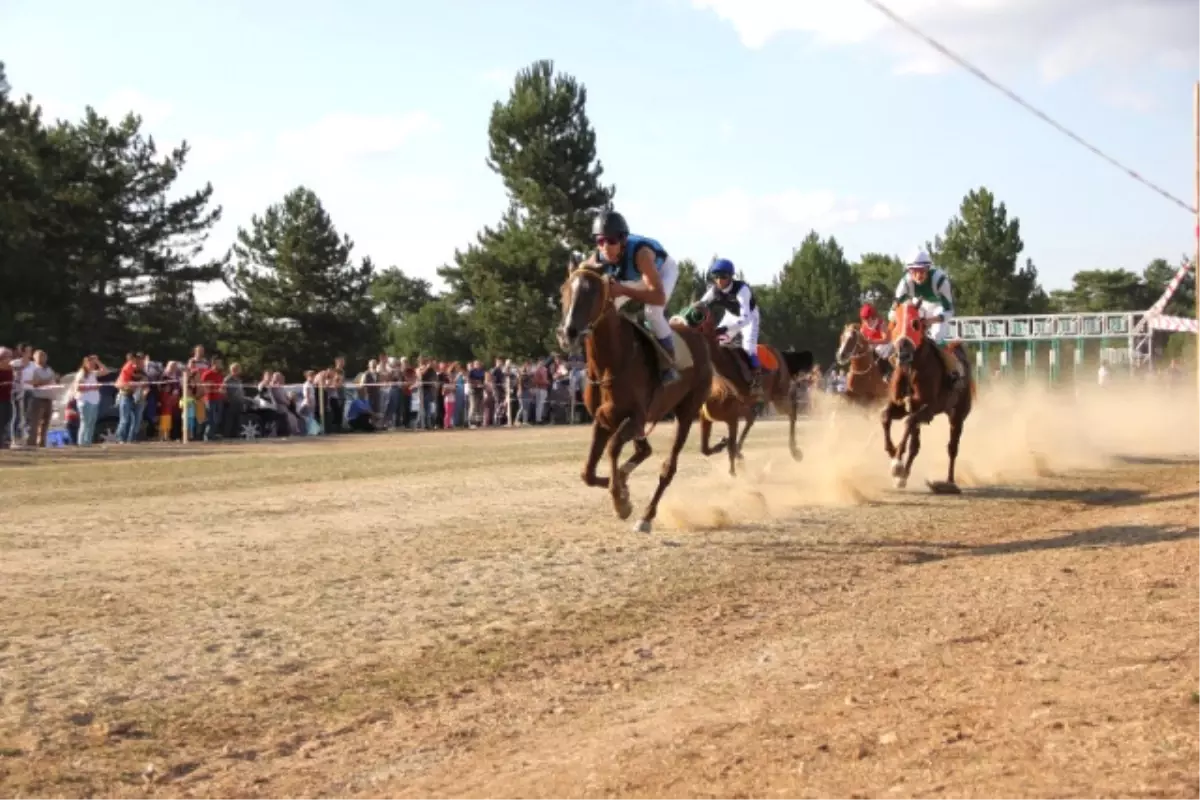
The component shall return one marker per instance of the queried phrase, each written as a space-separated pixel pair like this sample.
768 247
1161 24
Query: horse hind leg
683 424
950 487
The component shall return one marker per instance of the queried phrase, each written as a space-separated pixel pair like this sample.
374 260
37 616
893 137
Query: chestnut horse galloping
623 392
921 388
732 400
865 384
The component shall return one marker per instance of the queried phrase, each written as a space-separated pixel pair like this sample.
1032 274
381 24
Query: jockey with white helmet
736 299
929 286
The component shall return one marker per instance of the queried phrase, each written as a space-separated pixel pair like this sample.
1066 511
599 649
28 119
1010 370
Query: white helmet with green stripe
920 260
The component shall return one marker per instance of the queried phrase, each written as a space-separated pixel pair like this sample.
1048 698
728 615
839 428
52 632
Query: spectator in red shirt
212 389
131 382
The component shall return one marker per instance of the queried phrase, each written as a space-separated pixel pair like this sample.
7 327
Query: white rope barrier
203 410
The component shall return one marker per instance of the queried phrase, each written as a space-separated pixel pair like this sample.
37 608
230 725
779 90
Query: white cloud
118 104
1061 37
498 77
781 215
778 218
337 138
208 151
115 106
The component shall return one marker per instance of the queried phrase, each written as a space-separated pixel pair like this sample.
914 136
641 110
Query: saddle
683 356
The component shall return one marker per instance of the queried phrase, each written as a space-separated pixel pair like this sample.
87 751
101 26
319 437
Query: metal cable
977 72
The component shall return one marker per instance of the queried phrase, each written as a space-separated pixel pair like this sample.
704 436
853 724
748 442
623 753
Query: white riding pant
656 315
883 350
749 331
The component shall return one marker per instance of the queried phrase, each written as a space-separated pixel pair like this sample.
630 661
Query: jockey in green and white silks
930 286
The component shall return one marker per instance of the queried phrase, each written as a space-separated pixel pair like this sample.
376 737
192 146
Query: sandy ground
456 614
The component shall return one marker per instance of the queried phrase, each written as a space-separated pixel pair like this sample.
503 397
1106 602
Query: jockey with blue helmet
642 271
736 299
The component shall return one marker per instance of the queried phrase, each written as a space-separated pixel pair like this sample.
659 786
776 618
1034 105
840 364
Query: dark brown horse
732 400
623 392
865 385
921 388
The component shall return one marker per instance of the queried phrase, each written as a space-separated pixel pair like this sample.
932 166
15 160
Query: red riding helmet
867 312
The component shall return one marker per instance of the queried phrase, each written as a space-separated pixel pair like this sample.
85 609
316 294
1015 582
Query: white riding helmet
920 260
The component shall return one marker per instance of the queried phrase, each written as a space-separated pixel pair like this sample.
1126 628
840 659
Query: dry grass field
456 614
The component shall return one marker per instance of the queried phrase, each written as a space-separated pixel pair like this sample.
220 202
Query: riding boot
669 375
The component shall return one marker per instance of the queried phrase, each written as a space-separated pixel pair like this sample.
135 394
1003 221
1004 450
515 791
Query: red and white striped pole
1196 206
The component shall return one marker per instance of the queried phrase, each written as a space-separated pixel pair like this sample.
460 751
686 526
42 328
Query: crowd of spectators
210 400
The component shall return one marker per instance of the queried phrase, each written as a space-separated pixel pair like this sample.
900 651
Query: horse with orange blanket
733 397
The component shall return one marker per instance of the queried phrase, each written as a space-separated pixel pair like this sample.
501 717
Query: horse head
849 344
699 317
908 332
585 300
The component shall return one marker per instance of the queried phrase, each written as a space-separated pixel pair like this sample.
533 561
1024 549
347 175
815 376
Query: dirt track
455 614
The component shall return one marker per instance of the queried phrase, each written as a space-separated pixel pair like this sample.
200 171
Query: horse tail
798 362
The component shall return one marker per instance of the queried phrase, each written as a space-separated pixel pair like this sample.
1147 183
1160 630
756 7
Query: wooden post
1196 204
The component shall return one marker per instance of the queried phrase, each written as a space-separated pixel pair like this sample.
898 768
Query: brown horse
865 385
732 400
921 389
623 392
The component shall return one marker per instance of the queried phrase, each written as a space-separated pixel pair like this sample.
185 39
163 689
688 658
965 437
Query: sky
730 127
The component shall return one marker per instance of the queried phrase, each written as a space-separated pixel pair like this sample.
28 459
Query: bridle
860 341
601 308
600 311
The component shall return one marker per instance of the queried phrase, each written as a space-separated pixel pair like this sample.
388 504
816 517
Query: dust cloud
1014 435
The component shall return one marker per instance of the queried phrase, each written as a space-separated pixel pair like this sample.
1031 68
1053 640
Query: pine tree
298 300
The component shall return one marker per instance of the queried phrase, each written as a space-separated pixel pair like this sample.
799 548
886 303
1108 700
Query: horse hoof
797 454
642 526
624 509
900 481
943 487
898 468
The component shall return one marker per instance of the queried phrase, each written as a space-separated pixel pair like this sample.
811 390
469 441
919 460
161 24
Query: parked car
257 420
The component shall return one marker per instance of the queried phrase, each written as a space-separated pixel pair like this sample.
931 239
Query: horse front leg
641 451
706 449
912 441
600 437
618 487
891 412
735 447
751 415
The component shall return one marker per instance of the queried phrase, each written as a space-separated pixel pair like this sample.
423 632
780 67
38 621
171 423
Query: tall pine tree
812 298
544 149
298 300
980 250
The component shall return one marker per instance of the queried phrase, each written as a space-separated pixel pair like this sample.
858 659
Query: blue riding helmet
721 268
